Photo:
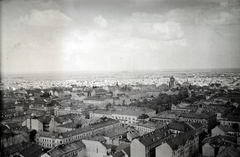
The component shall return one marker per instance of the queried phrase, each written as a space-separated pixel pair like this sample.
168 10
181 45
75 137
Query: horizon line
122 71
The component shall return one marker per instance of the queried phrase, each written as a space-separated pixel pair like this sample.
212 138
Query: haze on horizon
116 35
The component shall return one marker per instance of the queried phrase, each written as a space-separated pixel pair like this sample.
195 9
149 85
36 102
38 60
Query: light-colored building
96 149
67 110
185 145
208 120
124 116
145 145
33 124
53 139
146 127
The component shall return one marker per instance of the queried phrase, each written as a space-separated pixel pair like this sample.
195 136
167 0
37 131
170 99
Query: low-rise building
124 116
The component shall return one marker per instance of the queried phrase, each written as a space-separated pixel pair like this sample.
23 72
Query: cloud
146 17
158 31
101 21
49 18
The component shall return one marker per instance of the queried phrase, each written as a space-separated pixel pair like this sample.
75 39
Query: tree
235 126
78 125
108 106
32 135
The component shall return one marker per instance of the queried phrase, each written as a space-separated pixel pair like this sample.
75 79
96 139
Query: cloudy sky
116 35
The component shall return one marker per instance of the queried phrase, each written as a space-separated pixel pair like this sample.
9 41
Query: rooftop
59 150
153 137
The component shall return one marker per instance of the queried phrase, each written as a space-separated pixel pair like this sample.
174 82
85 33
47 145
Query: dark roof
127 150
100 91
33 151
180 140
122 146
153 137
196 125
16 148
62 149
197 116
13 126
118 154
180 126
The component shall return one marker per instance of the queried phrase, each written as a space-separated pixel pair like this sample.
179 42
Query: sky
118 35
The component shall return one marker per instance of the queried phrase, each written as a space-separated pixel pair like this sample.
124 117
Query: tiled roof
127 150
229 152
153 137
118 154
16 147
33 151
122 146
80 130
196 125
181 139
198 116
59 150
180 126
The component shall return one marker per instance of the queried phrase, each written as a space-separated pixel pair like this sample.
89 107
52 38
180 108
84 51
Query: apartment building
52 139
145 145
124 116
185 144
209 120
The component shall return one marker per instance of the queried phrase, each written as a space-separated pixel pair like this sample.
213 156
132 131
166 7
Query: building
172 82
211 146
58 111
33 123
69 150
126 116
229 121
96 149
53 139
145 145
184 144
208 120
33 150
146 127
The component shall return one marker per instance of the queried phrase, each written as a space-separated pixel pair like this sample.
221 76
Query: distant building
172 82
124 116
208 120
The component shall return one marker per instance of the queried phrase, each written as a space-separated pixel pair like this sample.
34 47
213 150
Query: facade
146 127
58 111
208 120
229 121
96 149
185 144
145 145
69 150
124 116
53 139
33 123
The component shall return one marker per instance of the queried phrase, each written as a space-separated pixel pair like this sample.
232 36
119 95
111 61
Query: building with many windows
185 144
53 139
129 116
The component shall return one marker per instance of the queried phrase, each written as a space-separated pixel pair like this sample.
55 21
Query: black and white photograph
120 78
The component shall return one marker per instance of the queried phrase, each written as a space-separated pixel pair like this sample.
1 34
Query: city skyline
64 36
